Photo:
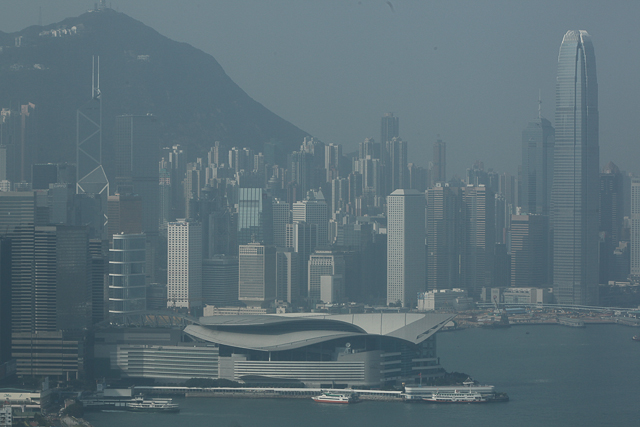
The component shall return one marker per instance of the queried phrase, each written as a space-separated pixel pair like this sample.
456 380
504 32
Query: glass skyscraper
575 194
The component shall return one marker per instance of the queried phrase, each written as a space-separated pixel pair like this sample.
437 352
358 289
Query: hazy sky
469 71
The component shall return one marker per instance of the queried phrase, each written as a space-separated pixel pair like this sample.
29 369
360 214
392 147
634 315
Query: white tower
406 254
184 266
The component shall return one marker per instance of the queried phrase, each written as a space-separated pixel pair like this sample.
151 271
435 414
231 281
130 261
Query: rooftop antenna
539 104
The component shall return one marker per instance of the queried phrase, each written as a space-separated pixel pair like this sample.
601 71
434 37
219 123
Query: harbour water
554 375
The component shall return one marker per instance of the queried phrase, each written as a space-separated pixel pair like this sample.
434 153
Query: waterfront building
575 198
444 299
519 295
166 363
405 247
321 350
127 287
184 266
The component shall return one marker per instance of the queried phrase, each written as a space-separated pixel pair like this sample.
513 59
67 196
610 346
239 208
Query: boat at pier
152 405
343 398
456 396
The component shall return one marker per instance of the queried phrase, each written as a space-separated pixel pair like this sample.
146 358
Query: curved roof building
323 350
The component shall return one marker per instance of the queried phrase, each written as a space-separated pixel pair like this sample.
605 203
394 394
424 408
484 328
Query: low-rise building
443 299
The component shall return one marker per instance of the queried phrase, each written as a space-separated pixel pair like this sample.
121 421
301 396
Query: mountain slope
141 72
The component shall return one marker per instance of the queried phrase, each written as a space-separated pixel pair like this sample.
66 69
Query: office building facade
405 247
538 142
127 262
184 265
575 197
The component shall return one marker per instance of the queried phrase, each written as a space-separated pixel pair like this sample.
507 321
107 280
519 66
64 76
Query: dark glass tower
537 166
575 194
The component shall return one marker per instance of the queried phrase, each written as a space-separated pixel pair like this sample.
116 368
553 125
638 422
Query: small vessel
456 396
636 338
329 397
140 404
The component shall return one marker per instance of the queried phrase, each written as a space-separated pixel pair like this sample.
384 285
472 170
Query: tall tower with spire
575 194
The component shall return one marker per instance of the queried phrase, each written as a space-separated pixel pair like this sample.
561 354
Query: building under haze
405 247
575 194
184 265
537 166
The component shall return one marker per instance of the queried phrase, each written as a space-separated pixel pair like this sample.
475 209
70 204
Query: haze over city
469 71
297 204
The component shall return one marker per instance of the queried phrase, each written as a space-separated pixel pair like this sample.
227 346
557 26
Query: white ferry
152 405
456 396
328 397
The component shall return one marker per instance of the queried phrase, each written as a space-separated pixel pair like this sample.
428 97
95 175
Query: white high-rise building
635 227
184 266
406 254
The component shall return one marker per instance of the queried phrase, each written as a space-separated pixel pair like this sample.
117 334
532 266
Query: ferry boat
344 398
152 405
456 396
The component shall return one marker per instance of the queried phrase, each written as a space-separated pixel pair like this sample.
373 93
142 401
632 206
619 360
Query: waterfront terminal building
321 350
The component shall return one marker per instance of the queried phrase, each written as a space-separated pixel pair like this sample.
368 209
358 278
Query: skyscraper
184 265
396 163
137 164
537 166
439 170
255 220
445 236
313 210
575 194
127 290
389 127
405 247
257 274
479 245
